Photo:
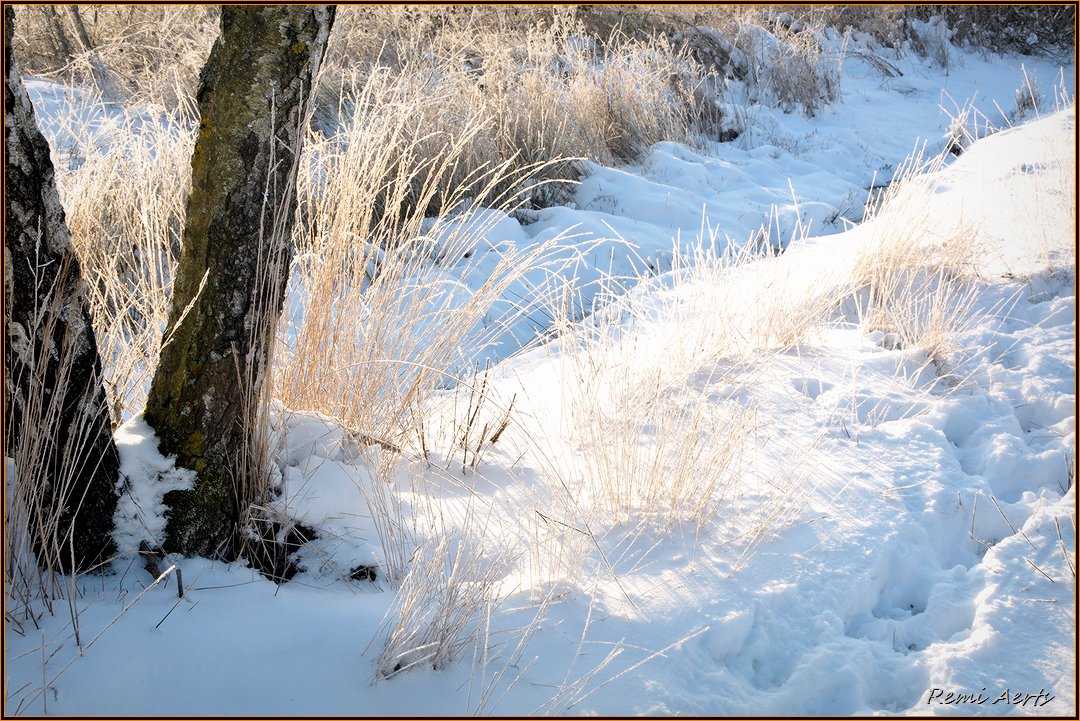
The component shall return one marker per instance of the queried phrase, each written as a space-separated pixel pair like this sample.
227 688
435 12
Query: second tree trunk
230 284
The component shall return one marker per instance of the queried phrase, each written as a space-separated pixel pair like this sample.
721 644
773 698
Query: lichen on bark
230 284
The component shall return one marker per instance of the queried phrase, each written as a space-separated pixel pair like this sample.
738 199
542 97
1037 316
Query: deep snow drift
885 525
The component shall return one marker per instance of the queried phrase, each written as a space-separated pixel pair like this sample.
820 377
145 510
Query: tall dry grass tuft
549 85
657 413
120 182
125 204
391 302
653 433
923 309
260 532
44 487
787 64
665 456
452 584
913 278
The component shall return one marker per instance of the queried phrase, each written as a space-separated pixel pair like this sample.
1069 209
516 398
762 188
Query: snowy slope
885 527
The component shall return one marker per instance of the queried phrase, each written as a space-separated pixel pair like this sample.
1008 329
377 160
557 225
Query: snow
891 534
145 477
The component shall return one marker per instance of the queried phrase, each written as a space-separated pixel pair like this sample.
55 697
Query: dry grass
658 420
468 422
915 279
453 583
252 471
385 323
920 309
129 54
904 236
395 527
46 488
986 28
549 82
545 89
125 206
650 453
756 301
787 64
652 422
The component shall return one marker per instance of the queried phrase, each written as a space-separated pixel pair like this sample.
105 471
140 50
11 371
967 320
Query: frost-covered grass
124 194
621 455
388 302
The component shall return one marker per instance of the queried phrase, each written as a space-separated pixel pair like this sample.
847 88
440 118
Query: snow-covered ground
887 529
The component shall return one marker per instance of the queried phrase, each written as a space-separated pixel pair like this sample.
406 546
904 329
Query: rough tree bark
53 391
80 28
253 100
59 37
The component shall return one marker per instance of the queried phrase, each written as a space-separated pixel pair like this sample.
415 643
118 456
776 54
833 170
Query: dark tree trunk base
57 416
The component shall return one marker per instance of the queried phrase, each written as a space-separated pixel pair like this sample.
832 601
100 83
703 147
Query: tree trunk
59 36
57 416
230 284
80 28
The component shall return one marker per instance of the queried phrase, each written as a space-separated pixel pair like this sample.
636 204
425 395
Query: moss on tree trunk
230 283
55 402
